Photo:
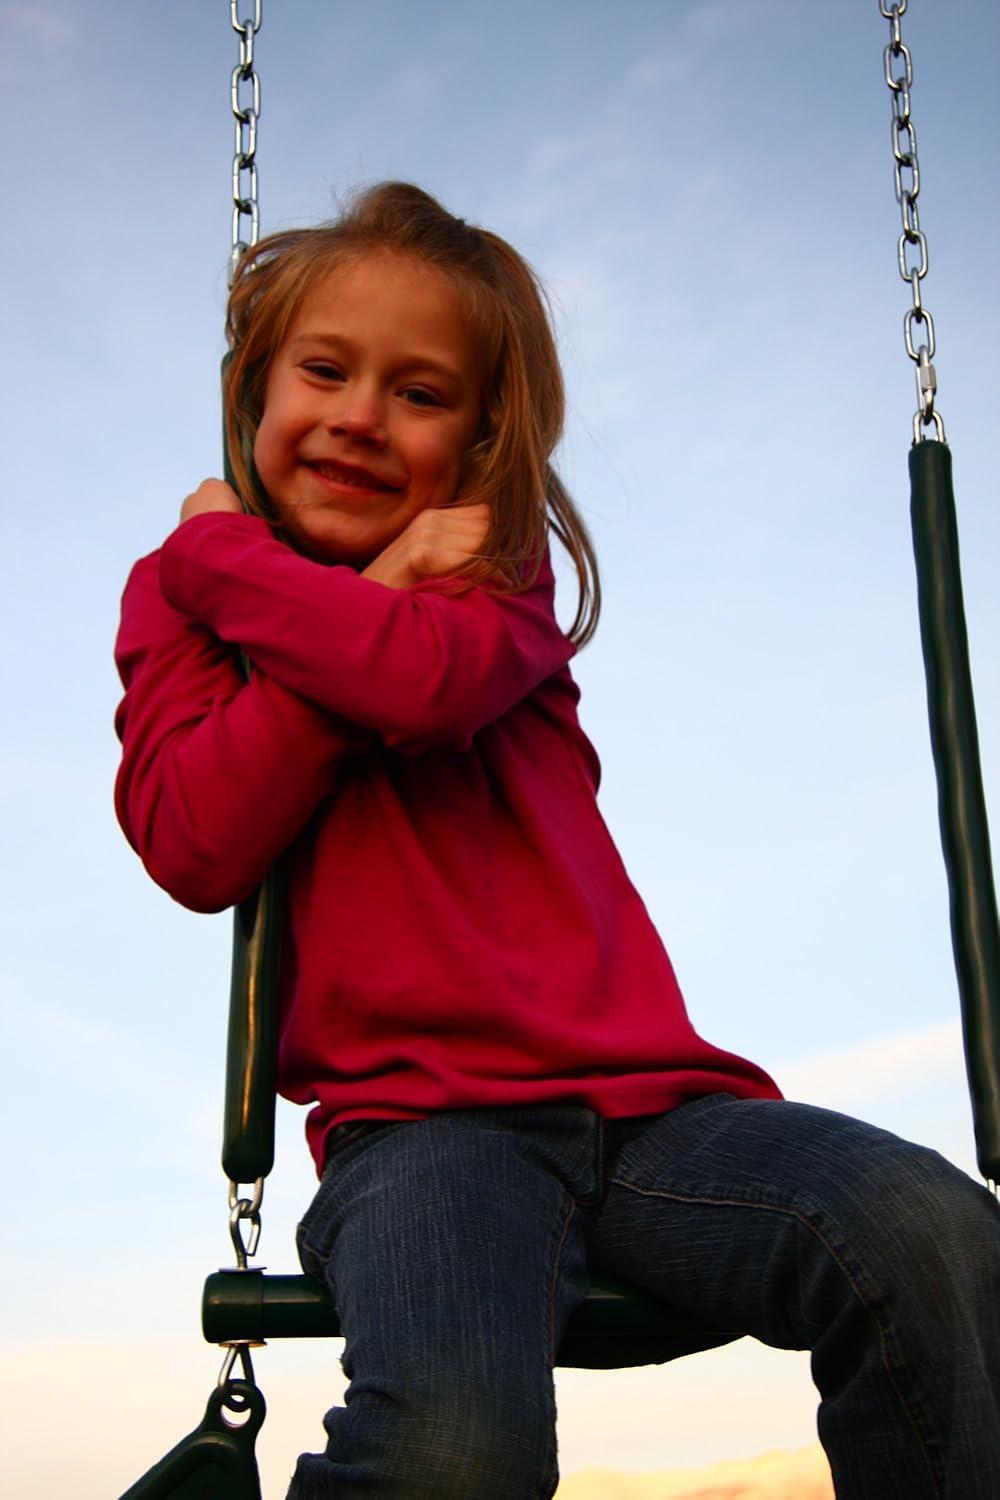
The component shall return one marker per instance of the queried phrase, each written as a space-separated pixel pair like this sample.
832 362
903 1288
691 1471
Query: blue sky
707 190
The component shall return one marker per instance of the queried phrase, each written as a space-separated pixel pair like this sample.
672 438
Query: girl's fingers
441 541
211 494
434 544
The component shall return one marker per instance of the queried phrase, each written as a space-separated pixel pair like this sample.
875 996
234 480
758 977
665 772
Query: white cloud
907 1062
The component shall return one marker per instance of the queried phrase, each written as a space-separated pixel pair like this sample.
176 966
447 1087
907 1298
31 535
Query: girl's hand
435 544
211 494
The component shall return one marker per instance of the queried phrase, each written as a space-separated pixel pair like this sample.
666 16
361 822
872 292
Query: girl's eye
323 370
416 395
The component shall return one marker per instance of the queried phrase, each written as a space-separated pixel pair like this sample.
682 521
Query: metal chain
912 243
245 1211
246 111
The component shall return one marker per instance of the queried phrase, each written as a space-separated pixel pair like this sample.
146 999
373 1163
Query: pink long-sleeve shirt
461 930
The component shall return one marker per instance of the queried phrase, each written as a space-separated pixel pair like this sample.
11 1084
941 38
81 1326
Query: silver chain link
233 1397
918 325
245 93
245 1211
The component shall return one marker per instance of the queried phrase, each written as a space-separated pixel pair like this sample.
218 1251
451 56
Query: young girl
505 1086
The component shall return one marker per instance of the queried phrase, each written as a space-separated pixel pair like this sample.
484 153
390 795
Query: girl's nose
359 416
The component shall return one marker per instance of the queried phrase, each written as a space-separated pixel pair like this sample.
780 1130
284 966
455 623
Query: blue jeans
457 1247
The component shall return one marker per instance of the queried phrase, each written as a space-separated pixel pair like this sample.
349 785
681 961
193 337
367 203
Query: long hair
509 467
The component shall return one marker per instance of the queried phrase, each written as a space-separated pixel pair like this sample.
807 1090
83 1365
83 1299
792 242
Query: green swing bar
965 834
616 1326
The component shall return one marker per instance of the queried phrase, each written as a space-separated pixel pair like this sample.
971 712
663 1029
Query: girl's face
372 402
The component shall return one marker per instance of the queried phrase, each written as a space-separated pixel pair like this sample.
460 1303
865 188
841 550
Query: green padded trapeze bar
961 805
614 1327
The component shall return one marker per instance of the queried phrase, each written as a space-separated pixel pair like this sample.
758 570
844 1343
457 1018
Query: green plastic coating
252 1044
961 804
615 1327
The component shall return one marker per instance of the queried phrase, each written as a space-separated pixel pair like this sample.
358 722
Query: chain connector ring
242 1211
920 421
232 1394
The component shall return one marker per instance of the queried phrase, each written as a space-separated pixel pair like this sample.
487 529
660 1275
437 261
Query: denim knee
927 1214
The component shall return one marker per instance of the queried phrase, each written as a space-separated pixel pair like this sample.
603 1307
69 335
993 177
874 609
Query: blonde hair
509 467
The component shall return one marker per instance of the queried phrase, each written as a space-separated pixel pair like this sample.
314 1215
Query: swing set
616 1326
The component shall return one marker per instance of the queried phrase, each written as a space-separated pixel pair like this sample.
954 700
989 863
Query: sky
706 188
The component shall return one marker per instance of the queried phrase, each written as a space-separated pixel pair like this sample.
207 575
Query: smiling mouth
348 474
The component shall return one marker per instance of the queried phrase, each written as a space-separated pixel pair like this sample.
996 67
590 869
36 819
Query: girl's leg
808 1229
455 1255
